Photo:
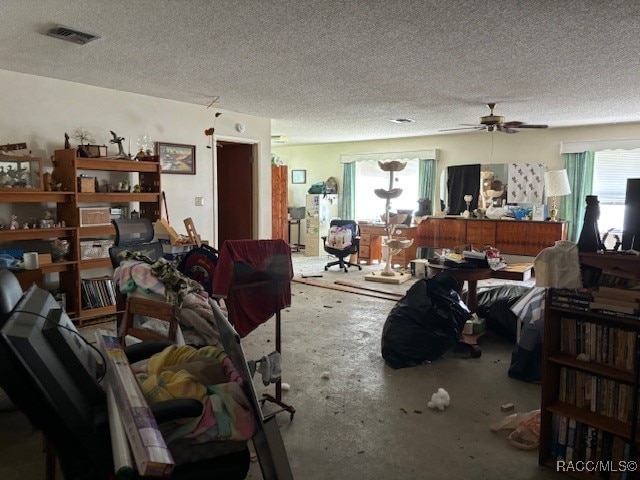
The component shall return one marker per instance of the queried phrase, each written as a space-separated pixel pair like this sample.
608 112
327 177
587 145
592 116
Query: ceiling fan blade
512 124
526 125
504 129
475 127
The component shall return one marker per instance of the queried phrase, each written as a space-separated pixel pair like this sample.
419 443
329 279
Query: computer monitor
36 365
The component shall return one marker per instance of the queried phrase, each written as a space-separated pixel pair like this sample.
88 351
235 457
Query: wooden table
515 271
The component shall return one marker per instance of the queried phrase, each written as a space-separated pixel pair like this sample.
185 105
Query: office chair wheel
476 352
326 268
346 270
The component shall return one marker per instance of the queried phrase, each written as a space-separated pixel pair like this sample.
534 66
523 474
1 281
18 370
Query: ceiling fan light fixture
402 120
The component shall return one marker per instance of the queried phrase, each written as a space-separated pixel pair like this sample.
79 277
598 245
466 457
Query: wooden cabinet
590 373
279 203
511 237
371 237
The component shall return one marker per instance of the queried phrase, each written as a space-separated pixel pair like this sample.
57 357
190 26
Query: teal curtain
348 200
579 168
426 179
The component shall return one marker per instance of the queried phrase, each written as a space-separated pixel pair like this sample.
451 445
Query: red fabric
242 264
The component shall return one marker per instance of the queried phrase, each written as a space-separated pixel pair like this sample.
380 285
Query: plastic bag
425 323
526 429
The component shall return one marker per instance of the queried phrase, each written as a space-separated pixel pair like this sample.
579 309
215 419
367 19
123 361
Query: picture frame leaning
176 158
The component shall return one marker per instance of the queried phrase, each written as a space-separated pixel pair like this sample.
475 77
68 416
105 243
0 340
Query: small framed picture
298 176
177 158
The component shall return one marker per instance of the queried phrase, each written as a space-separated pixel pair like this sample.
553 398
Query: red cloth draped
255 277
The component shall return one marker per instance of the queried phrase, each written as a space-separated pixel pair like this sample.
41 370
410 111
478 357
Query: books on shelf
578 441
97 292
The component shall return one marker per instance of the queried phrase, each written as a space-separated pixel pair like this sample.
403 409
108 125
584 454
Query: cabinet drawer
363 252
365 240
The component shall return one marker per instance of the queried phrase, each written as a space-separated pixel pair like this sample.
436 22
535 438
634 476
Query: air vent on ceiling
71 35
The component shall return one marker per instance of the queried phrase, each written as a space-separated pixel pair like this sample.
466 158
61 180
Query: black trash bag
425 323
494 305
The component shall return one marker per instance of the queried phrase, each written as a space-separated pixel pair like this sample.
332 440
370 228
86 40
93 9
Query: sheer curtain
348 203
416 183
579 168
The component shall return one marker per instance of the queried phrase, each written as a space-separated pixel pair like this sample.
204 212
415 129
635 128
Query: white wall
40 110
533 146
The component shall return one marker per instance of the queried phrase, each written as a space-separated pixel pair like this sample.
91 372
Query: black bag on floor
425 323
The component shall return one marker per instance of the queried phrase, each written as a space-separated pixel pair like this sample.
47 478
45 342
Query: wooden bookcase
68 168
590 405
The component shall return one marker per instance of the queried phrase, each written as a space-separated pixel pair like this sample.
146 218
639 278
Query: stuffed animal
440 399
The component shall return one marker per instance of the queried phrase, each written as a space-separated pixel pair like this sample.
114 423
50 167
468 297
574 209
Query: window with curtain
369 176
612 168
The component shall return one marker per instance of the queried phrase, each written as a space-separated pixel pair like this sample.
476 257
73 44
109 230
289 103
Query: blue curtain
426 178
348 200
579 168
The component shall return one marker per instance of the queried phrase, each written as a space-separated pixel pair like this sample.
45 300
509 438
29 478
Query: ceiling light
402 120
279 138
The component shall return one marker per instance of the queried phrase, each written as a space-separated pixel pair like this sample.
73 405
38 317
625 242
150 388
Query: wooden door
235 191
279 203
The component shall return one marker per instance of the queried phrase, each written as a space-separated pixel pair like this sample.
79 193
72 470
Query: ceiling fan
493 122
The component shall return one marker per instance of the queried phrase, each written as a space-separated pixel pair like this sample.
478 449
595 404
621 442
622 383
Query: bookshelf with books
590 401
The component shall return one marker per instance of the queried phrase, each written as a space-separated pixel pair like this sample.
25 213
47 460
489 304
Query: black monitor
631 228
38 365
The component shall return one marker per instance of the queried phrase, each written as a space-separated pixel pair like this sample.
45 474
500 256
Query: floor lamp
556 184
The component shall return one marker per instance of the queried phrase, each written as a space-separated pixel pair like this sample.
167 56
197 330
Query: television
631 226
34 369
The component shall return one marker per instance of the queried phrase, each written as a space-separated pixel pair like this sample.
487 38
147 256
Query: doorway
234 184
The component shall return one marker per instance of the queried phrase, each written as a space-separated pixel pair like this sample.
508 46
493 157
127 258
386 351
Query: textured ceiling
339 70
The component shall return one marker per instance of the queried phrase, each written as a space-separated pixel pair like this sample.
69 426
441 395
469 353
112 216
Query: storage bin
92 249
94 216
87 184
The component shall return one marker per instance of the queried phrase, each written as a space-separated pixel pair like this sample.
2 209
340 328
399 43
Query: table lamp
556 184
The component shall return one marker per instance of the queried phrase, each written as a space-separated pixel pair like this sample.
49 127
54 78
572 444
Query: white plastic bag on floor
526 429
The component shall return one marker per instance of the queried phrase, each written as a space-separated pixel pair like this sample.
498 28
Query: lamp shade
556 183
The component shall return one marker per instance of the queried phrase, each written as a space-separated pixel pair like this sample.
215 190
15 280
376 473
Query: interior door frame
255 143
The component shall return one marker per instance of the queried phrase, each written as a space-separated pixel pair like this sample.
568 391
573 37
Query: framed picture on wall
177 158
298 176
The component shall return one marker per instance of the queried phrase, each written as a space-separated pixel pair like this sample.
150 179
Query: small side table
294 246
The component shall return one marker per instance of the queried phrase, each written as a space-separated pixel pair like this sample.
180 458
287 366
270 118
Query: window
611 171
369 176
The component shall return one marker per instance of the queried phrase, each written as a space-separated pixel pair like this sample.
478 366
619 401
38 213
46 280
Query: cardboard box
94 216
87 184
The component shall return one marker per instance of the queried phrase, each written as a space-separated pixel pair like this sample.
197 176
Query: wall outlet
199 201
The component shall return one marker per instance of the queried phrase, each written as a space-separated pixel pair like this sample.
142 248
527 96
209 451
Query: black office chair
135 235
343 240
73 417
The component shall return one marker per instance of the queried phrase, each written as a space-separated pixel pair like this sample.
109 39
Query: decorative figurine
67 145
25 226
136 189
14 225
118 141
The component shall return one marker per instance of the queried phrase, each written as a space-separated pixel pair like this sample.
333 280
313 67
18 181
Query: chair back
135 235
10 293
339 233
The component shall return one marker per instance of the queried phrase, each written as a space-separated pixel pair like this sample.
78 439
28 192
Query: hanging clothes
558 266
255 277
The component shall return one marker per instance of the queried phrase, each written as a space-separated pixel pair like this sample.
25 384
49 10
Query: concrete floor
366 420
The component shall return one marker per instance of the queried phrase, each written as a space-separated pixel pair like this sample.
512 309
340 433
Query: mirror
493 185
